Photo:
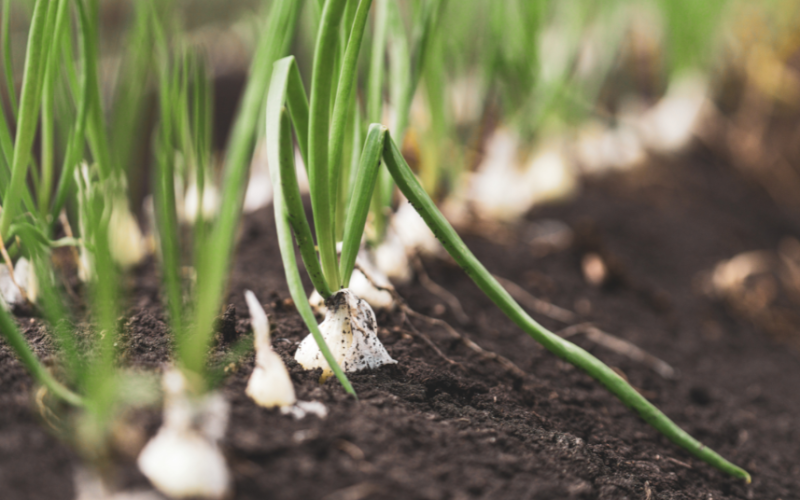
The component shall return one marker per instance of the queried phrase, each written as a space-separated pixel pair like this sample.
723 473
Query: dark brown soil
429 429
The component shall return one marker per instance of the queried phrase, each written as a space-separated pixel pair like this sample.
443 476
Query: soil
429 428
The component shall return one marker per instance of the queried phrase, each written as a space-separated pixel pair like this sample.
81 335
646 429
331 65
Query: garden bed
452 424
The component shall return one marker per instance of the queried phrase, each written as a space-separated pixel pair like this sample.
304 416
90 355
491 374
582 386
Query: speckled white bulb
350 330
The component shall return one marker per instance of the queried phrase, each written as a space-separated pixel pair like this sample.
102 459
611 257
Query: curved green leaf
564 349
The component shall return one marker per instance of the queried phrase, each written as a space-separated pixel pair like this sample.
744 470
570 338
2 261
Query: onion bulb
269 385
349 329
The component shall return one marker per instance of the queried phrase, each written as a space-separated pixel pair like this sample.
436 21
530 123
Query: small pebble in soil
594 269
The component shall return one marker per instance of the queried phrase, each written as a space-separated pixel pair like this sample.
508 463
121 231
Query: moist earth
447 423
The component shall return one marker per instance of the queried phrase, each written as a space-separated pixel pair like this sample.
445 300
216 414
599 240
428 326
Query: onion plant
183 459
88 377
287 105
313 125
213 263
184 133
89 381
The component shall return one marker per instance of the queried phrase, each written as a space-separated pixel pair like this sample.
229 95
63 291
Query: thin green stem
375 77
319 120
399 69
359 204
436 138
564 349
6 141
8 67
297 100
77 138
29 101
287 86
96 127
342 106
47 145
6 150
70 69
349 154
215 262
348 17
357 141
48 109
164 192
201 131
302 231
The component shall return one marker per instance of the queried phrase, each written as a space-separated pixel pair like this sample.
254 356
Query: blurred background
600 85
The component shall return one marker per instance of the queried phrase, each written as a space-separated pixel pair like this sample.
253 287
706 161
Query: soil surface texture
449 423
